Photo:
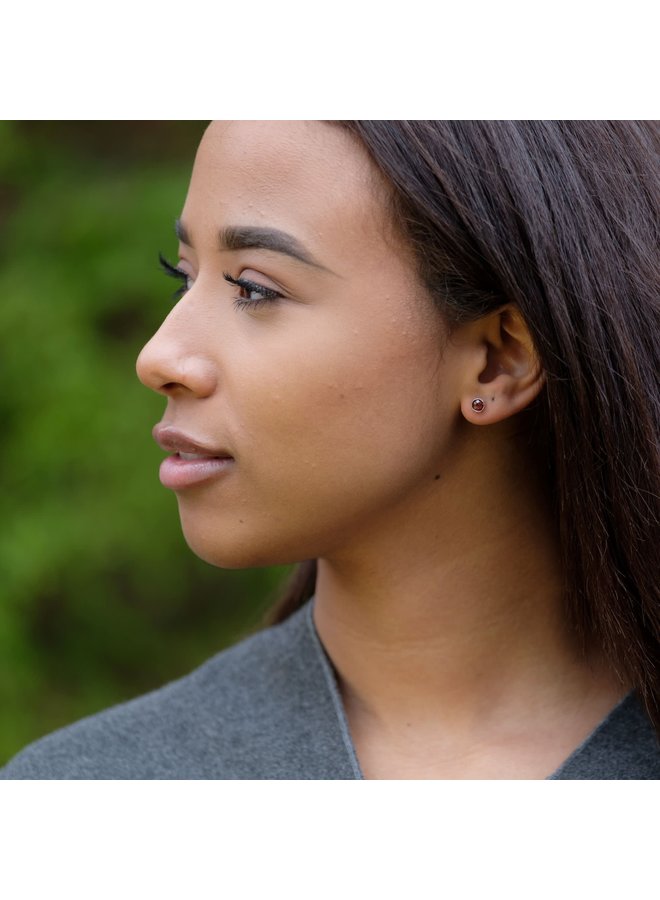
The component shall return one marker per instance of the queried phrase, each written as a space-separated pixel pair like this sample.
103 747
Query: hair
560 219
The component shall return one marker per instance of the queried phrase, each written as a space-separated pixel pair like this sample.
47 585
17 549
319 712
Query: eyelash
268 295
173 272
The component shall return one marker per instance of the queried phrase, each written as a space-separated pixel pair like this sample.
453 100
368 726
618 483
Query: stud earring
478 404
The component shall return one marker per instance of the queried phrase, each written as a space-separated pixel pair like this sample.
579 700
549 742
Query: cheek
346 408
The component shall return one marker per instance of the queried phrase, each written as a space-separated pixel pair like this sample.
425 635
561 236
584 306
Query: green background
100 598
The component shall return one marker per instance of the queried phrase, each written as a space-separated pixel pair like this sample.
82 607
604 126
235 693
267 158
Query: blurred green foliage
100 598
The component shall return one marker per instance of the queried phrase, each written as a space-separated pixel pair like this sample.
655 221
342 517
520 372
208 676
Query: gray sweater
269 708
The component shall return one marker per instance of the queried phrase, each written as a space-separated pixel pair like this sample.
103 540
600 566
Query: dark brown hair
560 218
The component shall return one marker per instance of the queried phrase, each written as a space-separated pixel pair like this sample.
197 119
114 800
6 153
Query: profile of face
303 352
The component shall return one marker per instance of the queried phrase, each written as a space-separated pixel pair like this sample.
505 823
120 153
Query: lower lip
179 473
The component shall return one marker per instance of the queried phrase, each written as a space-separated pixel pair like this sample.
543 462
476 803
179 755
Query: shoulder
623 747
230 718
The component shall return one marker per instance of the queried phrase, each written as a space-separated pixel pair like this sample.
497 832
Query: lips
192 461
170 438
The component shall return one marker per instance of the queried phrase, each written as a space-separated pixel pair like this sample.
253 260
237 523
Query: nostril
164 368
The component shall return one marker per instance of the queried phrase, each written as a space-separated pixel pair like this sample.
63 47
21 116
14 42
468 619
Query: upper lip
170 438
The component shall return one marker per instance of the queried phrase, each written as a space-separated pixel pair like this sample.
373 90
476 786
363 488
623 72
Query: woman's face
336 399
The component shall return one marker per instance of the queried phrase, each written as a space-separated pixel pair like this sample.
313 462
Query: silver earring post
478 404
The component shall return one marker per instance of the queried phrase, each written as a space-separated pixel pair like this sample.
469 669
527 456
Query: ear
503 371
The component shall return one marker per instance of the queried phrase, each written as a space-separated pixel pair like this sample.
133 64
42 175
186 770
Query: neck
452 610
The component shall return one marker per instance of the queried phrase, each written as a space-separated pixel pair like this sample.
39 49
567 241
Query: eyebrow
243 237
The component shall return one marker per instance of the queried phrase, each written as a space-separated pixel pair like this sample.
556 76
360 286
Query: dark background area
100 598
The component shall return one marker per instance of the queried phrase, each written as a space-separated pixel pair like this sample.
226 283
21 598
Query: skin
347 409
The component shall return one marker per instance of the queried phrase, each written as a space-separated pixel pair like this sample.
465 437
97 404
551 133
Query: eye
252 294
177 273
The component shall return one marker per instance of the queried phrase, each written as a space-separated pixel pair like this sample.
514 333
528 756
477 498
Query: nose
173 362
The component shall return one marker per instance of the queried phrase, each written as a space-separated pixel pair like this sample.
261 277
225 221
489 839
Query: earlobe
507 375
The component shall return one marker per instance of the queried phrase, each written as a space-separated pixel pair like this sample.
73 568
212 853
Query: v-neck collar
576 765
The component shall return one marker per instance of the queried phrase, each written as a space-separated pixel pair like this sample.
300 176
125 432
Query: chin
236 551
228 555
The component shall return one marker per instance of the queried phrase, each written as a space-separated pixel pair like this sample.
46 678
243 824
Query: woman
423 357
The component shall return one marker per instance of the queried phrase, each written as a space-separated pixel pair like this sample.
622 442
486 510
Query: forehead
312 179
